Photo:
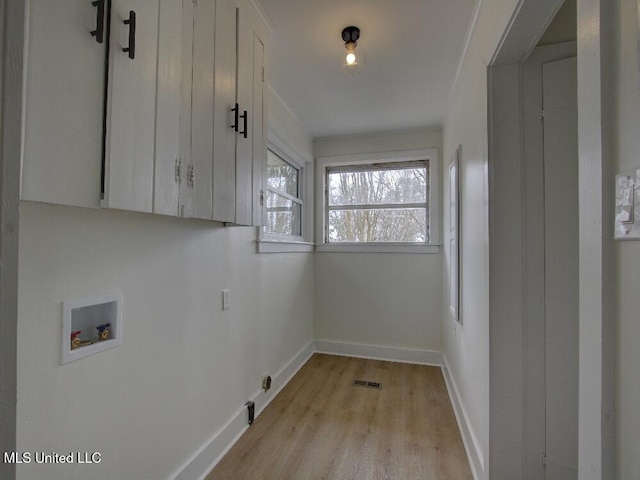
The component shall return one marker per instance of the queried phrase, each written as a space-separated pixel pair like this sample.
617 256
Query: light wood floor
320 426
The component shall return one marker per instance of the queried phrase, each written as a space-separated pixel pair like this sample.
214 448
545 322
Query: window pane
378 225
283 215
406 185
281 176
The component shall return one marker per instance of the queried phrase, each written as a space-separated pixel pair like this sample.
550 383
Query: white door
561 268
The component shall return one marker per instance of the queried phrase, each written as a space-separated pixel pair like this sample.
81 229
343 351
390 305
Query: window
379 202
284 197
385 202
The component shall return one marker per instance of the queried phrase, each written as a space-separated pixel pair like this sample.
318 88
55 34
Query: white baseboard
200 464
377 352
469 438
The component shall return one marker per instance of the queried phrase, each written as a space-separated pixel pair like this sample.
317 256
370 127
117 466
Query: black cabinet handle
131 49
99 31
244 117
236 114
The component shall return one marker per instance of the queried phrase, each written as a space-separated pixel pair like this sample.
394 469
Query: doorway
533 181
549 90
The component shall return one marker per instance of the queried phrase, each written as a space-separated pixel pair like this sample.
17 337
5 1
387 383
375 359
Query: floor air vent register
366 384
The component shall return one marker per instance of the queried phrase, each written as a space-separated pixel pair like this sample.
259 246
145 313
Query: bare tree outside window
284 202
381 203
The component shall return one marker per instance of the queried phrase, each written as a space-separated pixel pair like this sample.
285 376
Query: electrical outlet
226 300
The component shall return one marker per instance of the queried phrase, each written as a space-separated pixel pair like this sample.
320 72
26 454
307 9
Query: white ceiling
412 49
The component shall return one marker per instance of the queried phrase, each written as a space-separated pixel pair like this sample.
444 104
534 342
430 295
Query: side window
284 197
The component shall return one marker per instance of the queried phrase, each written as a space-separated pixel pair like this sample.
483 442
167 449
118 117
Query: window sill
284 246
432 248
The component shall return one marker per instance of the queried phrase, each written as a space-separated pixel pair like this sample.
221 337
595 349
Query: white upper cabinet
146 105
200 168
184 109
227 115
240 150
259 138
244 148
65 75
89 131
131 109
251 147
174 60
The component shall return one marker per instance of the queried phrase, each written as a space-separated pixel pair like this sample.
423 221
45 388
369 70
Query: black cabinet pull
236 114
131 49
244 117
99 31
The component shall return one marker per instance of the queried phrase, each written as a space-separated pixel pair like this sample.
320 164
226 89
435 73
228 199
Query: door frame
12 31
534 252
596 48
514 432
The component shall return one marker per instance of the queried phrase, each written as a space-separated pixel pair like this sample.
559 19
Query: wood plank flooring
320 426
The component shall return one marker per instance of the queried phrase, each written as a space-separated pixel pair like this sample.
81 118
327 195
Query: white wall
185 367
414 139
388 299
288 136
466 346
626 152
282 122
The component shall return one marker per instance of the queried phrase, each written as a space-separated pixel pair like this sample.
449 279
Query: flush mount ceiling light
352 63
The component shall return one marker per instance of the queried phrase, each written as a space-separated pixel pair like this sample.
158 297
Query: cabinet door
200 170
168 103
224 174
184 197
64 104
131 106
250 151
259 135
244 146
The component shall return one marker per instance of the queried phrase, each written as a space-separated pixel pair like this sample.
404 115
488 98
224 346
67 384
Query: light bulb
351 53
351 64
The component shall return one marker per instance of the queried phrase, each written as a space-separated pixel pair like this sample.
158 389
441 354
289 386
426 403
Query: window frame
299 199
280 243
431 155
